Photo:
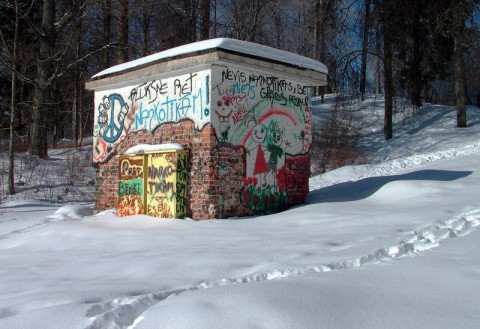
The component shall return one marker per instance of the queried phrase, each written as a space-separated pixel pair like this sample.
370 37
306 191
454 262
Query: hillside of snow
390 244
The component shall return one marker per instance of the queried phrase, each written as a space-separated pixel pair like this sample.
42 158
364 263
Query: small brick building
241 110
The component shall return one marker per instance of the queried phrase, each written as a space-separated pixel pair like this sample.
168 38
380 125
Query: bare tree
458 26
387 22
13 95
76 104
319 37
214 18
106 10
366 29
415 75
249 17
378 61
123 31
205 24
47 70
146 19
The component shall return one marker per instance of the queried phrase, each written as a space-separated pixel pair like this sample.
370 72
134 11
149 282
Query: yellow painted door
166 195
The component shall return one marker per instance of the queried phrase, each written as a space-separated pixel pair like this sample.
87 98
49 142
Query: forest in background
420 50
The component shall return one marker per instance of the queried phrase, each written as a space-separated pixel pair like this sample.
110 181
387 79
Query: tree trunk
48 60
378 66
193 21
214 18
146 18
319 39
75 115
416 69
75 108
13 110
107 32
316 39
388 71
366 28
13 102
458 64
38 128
123 31
80 117
56 122
205 26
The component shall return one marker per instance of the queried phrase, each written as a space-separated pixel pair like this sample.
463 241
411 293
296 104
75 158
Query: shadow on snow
362 189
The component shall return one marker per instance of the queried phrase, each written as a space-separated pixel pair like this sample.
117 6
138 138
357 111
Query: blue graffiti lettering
171 109
244 89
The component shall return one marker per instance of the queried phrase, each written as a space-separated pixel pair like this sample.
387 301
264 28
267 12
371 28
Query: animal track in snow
124 312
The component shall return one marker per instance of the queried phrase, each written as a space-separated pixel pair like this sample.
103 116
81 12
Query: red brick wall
297 176
230 174
201 167
215 173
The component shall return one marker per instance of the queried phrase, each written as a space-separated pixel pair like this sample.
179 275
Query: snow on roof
243 47
142 148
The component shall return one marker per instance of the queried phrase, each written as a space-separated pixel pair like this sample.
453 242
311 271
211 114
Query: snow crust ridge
392 167
125 312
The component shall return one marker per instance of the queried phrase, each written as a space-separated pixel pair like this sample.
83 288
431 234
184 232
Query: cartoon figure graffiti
270 128
257 136
263 187
274 146
224 111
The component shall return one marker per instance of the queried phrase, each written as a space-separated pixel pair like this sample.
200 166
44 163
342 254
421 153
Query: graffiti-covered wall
268 115
167 184
248 133
146 106
131 185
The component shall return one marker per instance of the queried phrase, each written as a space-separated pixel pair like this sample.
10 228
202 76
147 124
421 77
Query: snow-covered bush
336 138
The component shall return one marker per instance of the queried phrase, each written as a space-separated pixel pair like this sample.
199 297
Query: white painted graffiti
148 105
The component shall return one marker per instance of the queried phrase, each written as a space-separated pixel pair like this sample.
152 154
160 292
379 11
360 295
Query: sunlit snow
391 244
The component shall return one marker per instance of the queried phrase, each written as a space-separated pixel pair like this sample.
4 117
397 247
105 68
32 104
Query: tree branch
80 60
70 15
20 74
38 31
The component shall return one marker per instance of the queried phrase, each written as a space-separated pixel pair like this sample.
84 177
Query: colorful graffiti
131 186
148 105
166 184
109 128
268 116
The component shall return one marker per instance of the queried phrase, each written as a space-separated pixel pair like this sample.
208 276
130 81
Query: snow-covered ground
391 244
